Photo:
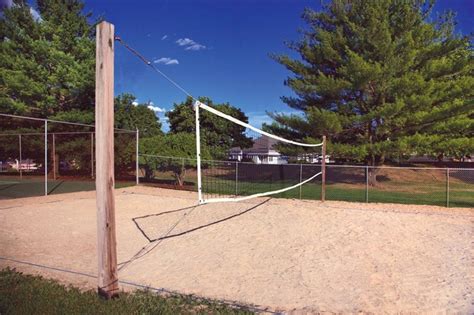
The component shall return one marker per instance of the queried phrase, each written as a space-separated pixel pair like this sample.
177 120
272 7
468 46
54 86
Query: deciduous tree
216 132
174 152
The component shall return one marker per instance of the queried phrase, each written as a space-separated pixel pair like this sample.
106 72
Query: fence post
447 187
19 165
301 177
236 177
136 156
323 171
366 183
53 155
45 157
183 169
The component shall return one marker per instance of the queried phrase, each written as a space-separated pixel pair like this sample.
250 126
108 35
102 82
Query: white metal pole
323 170
198 150
54 157
45 157
136 156
19 165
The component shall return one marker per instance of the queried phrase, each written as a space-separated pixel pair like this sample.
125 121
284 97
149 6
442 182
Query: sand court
277 254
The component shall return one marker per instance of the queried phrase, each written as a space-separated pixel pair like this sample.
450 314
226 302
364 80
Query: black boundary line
202 226
141 230
161 213
146 249
153 215
156 214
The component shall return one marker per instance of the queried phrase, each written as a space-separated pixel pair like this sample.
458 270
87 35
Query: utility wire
150 64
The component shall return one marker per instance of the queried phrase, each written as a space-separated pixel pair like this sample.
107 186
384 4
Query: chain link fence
449 187
42 157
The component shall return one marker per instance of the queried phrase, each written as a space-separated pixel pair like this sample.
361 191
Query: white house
262 152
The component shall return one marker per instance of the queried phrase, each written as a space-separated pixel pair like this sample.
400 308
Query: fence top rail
58 121
314 164
220 161
401 167
56 133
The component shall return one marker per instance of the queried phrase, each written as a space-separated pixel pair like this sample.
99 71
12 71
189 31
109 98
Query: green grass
461 195
25 294
34 186
429 193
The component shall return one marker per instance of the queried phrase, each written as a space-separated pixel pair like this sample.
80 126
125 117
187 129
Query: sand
283 255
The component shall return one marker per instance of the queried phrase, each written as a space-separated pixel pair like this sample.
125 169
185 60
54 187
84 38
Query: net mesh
246 162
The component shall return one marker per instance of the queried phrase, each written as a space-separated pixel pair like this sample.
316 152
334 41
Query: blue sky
215 48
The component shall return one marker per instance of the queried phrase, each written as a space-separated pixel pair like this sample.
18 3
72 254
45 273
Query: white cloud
135 103
185 42
167 61
190 44
156 109
258 119
164 37
195 47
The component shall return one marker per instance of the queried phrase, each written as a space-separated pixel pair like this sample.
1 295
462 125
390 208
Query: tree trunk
373 176
180 177
373 170
148 172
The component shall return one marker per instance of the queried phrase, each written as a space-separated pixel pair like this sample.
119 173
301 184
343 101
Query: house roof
261 145
264 143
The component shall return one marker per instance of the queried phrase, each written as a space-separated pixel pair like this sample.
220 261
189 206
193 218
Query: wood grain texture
105 181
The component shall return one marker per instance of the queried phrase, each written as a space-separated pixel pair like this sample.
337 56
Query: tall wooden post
104 125
323 170
92 155
45 157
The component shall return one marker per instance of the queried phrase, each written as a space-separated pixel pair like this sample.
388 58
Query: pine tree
47 63
380 78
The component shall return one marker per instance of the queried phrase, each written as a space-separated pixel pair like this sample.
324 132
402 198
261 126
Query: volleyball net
247 162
